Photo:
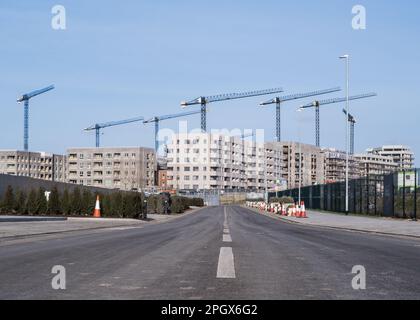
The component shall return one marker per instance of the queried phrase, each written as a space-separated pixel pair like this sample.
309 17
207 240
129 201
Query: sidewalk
377 225
10 230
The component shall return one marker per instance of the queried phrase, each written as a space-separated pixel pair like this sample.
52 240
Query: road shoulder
379 226
26 230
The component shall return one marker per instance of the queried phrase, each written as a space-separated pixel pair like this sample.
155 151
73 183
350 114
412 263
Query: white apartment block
335 166
401 155
113 168
311 164
204 161
373 164
38 165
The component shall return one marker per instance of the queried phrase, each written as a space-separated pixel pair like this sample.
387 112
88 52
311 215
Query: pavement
379 225
30 219
219 253
22 227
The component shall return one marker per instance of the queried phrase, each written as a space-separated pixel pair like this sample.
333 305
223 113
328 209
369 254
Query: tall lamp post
346 57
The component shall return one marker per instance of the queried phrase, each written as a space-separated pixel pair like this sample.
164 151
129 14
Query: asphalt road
217 253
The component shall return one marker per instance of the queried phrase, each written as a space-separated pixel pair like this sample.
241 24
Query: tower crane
352 122
158 119
97 127
317 104
25 99
279 100
204 101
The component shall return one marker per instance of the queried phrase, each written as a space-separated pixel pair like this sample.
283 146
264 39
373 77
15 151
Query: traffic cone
303 214
97 212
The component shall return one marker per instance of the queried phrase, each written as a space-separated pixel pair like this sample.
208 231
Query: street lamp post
300 157
347 58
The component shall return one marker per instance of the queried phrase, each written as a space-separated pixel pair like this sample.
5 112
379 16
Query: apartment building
113 168
204 161
335 166
38 165
401 155
373 164
311 164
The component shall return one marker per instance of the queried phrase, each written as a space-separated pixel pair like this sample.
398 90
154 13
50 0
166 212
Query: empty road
216 253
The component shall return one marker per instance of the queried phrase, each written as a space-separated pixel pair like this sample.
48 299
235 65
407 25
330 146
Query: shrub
179 204
117 205
195 202
54 204
283 200
8 203
87 203
41 202
76 202
32 202
65 203
20 202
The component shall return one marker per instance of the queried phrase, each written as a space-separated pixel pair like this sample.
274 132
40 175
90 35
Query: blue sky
144 57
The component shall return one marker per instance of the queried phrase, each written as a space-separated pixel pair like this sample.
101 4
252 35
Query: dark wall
25 183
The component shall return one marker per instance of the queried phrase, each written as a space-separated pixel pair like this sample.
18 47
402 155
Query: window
187 169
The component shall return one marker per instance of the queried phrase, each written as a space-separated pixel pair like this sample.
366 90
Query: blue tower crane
158 119
204 101
97 127
352 122
279 100
317 104
25 99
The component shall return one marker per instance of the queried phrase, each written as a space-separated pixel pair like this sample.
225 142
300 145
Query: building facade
401 155
335 166
204 161
38 165
373 164
113 168
311 164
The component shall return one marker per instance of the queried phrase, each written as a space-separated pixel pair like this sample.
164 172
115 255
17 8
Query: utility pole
347 58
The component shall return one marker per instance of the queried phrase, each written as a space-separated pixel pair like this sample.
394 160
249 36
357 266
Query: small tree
32 203
65 203
117 205
76 202
20 202
54 205
106 205
8 200
88 202
138 206
41 202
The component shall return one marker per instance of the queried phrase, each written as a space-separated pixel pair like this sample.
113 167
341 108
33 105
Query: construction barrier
290 210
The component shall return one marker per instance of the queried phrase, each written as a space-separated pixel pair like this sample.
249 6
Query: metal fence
392 195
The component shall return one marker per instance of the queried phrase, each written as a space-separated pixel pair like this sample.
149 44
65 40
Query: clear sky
124 59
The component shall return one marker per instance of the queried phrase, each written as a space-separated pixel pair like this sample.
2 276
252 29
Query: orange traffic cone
297 215
303 214
97 212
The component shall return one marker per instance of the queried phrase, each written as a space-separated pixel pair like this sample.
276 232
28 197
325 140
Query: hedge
284 200
81 203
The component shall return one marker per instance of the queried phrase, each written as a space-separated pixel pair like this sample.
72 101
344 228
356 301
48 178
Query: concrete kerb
138 224
302 223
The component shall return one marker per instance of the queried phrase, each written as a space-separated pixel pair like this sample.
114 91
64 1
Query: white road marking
227 238
226 231
226 267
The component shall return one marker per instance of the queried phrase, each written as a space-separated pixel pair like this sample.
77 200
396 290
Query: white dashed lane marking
226 267
227 238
